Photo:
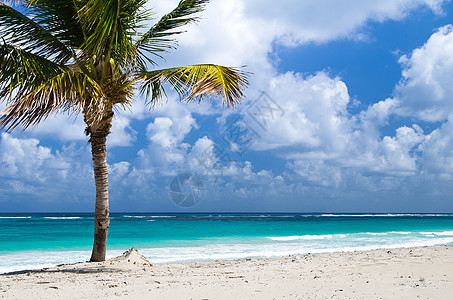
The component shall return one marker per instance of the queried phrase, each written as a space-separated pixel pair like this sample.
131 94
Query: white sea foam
425 233
356 215
30 260
240 251
331 236
62 218
15 217
24 267
437 215
254 216
27 260
306 237
37 259
147 217
442 233
375 233
386 215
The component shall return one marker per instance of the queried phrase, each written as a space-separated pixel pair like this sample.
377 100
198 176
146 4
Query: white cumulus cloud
426 89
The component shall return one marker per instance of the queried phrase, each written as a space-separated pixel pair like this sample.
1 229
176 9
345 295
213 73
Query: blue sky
359 118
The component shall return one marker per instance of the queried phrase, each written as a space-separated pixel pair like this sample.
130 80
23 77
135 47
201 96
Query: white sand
417 273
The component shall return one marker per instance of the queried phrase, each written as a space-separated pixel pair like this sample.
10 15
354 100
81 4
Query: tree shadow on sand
76 270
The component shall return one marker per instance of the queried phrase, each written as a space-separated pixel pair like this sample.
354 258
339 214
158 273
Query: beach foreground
405 273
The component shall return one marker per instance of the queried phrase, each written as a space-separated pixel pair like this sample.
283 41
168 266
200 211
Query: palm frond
23 32
67 91
180 16
101 19
157 38
61 18
22 71
196 82
11 2
86 56
132 18
112 25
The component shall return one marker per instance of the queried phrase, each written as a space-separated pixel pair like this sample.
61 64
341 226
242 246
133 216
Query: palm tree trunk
101 213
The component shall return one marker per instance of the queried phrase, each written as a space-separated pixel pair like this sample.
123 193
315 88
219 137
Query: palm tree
89 57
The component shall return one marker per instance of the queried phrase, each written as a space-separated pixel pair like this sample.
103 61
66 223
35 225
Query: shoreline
392 273
81 254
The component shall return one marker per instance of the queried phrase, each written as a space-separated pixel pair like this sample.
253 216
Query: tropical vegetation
91 58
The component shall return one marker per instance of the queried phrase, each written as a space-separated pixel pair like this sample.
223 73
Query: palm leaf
180 16
61 18
101 19
11 2
37 80
195 82
21 31
22 71
67 91
157 38
111 25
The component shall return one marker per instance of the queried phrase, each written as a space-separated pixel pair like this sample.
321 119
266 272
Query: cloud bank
312 156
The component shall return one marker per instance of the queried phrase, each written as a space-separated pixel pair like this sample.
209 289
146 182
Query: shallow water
40 240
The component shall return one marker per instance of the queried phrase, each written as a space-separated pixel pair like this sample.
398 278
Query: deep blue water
37 240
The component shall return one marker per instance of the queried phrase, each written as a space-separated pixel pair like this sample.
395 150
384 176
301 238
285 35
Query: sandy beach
406 273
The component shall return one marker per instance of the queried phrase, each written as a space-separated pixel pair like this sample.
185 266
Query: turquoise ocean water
40 240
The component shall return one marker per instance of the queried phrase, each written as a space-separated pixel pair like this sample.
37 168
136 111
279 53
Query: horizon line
230 212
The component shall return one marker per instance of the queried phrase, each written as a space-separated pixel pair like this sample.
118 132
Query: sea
33 241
